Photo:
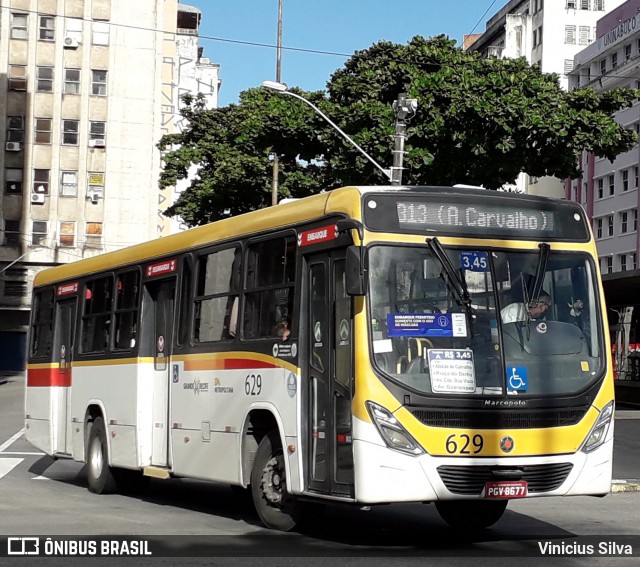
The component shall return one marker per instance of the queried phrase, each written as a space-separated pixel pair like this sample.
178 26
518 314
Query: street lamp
282 88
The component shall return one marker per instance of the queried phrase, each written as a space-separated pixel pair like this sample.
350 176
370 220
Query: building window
583 35
570 34
15 130
584 4
11 233
540 35
95 185
598 5
69 184
38 232
70 132
13 181
609 262
93 236
568 66
100 33
98 134
43 131
635 220
72 81
614 60
41 181
73 29
612 185
623 262
17 77
19 26
636 176
634 264
44 79
610 225
67 233
603 66
600 188
623 222
625 179
47 29
571 4
627 52
598 228
99 83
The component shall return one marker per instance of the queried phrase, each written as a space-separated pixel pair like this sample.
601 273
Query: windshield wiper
457 282
541 269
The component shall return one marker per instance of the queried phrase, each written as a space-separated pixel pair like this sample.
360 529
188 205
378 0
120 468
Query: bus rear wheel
277 509
471 514
99 473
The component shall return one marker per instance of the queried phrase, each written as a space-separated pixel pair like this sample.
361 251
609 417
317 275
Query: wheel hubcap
96 460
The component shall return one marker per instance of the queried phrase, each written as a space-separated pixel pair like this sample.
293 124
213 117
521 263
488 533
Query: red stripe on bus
240 363
47 377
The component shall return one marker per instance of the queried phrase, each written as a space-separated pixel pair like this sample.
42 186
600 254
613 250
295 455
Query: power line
482 17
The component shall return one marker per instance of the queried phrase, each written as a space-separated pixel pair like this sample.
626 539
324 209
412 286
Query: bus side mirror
354 271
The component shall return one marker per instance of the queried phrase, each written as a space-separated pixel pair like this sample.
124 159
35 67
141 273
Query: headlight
394 435
598 432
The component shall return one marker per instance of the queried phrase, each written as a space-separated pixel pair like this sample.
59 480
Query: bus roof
345 200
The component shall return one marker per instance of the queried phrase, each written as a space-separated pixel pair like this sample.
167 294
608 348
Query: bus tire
277 509
99 473
471 514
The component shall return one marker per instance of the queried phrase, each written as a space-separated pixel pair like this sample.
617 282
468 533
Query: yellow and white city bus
349 347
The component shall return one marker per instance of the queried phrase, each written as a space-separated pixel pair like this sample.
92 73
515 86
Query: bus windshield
456 321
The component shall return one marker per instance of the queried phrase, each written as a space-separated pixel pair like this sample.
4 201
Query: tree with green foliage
480 121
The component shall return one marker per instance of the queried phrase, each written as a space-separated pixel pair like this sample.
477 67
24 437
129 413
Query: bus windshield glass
506 324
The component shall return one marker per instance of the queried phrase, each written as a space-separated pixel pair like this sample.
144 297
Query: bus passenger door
64 325
157 338
330 376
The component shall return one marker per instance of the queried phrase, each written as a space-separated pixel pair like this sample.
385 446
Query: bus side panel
209 408
113 389
41 394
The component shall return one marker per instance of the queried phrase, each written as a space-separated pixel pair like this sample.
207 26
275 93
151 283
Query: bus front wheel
277 509
471 514
100 476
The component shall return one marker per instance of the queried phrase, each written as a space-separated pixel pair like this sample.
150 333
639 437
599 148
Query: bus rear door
64 325
157 338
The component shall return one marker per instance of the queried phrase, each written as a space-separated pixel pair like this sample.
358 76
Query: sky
336 26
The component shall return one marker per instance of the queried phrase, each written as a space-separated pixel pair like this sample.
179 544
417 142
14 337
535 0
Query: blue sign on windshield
474 261
419 325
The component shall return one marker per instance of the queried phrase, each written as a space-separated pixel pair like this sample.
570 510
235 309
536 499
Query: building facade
610 191
89 88
546 33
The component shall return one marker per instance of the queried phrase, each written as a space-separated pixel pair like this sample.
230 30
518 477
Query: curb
625 486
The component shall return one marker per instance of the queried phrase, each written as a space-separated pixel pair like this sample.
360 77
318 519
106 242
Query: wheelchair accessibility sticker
517 380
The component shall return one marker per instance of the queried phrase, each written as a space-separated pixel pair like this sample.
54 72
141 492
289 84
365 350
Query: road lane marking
11 441
7 465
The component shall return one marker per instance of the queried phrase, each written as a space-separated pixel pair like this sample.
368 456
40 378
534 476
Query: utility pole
276 165
405 109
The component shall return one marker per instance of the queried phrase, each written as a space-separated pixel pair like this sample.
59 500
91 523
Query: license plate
505 489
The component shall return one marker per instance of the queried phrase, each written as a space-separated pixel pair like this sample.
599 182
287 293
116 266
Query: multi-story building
610 191
548 34
89 87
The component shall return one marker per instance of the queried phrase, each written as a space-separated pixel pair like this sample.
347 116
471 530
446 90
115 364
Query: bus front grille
470 480
509 419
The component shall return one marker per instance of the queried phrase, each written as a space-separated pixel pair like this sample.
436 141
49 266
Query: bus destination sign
461 215
450 211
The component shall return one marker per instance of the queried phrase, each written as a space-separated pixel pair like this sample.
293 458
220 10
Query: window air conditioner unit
37 198
70 42
94 197
97 143
13 146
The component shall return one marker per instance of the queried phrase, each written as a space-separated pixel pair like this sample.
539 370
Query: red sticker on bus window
67 289
161 268
318 235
